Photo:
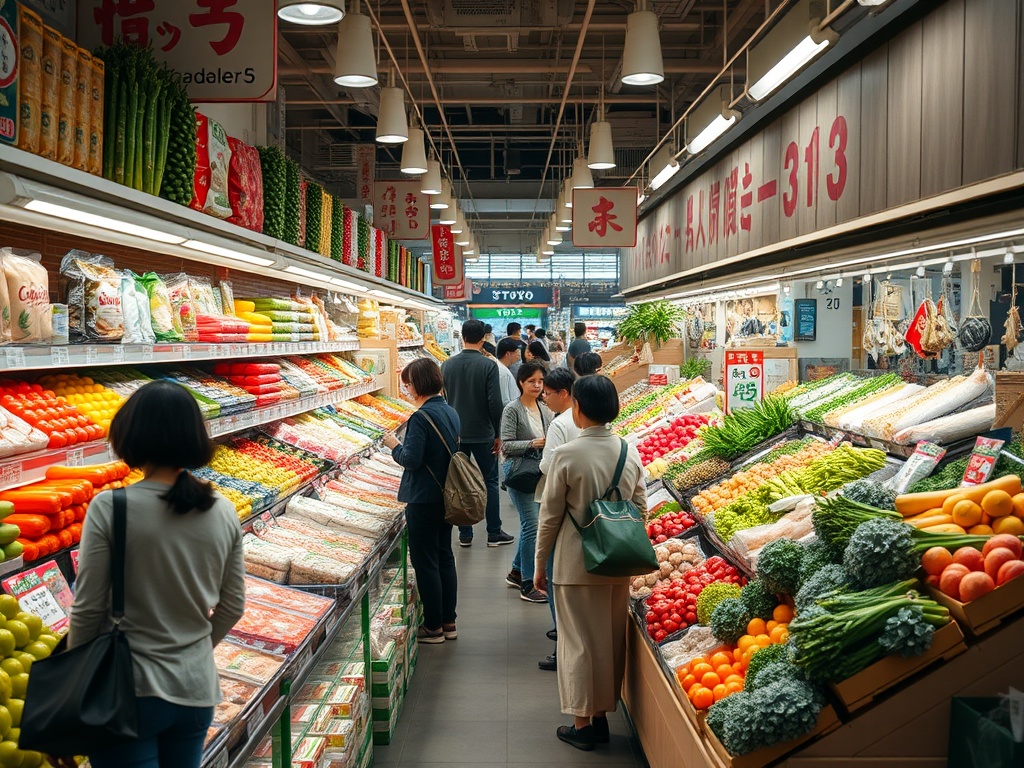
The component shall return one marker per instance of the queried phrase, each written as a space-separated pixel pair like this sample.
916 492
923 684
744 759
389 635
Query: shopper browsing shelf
184 577
588 364
592 610
508 354
523 427
537 353
579 344
431 436
473 389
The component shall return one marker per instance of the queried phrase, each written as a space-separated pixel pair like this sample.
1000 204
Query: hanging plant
654 322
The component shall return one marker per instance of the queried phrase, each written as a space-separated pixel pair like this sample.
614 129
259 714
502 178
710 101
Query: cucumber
6 508
8 533
13 550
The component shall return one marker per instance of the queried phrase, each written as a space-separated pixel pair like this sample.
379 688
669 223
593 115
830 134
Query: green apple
19 629
7 642
37 650
33 622
11 666
16 707
10 755
9 606
49 640
6 722
19 685
6 685
26 659
30 760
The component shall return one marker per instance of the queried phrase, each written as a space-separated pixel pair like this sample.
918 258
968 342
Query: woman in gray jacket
524 423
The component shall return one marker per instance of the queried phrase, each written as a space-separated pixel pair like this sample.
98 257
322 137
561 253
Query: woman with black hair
536 352
592 610
184 577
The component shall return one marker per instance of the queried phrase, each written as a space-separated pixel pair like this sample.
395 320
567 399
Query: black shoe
466 542
531 595
553 634
514 579
581 739
550 663
600 726
498 539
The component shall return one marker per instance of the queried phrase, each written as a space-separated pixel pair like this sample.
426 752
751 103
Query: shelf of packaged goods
410 343
46 357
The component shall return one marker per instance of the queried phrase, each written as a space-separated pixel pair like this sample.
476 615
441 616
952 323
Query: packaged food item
213 160
9 72
245 186
982 461
59 321
29 296
201 291
165 321
138 328
83 110
924 459
96 117
30 79
68 97
5 307
17 436
227 297
180 294
93 290
49 116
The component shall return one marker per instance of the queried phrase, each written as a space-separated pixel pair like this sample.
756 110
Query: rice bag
50 102
96 116
29 296
83 110
165 321
93 289
68 98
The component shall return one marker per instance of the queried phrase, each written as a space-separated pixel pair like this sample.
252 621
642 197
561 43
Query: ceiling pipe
673 67
643 99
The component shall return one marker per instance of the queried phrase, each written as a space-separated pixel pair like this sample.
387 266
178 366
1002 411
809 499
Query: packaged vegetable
17 436
138 327
982 461
50 104
29 296
227 297
93 289
925 458
68 102
179 292
201 291
95 164
213 159
165 321
30 79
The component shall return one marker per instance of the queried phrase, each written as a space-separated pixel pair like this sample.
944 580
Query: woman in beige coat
592 610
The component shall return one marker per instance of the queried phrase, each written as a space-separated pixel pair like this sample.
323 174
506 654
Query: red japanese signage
604 217
744 379
459 293
225 50
401 210
366 160
448 266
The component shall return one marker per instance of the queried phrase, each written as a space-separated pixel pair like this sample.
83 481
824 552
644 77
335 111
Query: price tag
92 355
10 474
75 457
15 357
59 356
146 351
186 352
41 602
117 354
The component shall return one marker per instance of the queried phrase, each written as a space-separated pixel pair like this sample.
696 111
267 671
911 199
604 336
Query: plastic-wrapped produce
17 436
336 518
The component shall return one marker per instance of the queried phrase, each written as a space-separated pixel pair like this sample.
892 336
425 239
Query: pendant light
602 151
552 237
355 65
392 124
311 12
464 238
546 250
450 214
430 184
641 58
414 154
564 207
556 220
459 226
442 198
582 178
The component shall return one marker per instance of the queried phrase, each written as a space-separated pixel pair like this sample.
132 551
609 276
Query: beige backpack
465 492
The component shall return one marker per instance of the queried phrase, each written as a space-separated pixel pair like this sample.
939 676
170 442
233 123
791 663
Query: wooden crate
864 687
828 721
987 612
1009 400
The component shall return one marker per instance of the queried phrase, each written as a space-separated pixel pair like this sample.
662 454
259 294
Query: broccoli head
816 557
824 581
870 493
907 633
729 620
725 711
711 596
758 599
775 653
780 711
778 566
880 552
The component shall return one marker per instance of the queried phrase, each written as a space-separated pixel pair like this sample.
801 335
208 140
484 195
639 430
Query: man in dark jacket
472 388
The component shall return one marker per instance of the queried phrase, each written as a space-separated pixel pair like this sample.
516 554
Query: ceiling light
582 178
392 125
1008 258
308 273
709 120
439 201
602 151
558 224
641 57
355 65
347 285
553 237
103 222
546 250
450 214
564 207
228 253
460 224
315 13
430 184
787 48
414 155
464 238
663 167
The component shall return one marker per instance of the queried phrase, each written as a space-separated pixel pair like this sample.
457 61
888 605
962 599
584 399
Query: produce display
672 604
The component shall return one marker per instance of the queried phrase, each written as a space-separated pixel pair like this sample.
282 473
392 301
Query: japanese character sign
744 379
448 264
401 210
226 50
604 217
366 160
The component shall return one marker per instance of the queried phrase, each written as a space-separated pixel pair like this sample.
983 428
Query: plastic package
213 159
165 322
93 287
5 306
921 463
180 295
28 295
138 327
30 79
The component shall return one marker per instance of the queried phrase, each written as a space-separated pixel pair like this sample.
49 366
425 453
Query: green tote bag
615 541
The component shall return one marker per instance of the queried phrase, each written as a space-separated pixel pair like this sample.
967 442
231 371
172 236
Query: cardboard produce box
986 613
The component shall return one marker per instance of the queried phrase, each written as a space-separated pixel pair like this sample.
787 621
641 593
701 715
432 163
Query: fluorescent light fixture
392 124
787 48
228 253
430 184
355 65
601 155
347 285
308 273
716 128
582 178
316 13
641 57
709 120
414 155
103 222
663 167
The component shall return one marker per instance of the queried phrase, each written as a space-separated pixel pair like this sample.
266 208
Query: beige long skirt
591 646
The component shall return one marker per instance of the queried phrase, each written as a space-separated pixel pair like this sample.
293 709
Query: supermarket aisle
481 701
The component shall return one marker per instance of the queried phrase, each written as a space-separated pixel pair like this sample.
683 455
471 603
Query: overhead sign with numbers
225 50
744 379
400 210
604 217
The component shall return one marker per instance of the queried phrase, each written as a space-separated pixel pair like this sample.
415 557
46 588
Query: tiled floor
481 701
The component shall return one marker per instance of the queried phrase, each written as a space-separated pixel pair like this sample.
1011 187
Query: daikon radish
974 386
854 420
949 429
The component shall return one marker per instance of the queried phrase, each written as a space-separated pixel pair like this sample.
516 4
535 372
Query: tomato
670 627
691 617
651 616
676 618
660 635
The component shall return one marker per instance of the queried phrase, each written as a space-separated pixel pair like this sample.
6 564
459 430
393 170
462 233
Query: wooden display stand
669 353
388 378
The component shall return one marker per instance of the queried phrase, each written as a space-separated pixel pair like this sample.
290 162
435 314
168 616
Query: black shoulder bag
524 474
83 699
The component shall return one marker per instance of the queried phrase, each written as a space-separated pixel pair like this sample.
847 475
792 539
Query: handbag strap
451 454
117 553
618 472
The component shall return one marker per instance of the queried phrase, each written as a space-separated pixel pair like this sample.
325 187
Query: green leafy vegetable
729 620
778 566
711 596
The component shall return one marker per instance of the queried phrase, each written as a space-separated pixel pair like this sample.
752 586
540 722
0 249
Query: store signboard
366 161
225 50
400 210
459 293
448 264
525 294
604 217
806 311
744 379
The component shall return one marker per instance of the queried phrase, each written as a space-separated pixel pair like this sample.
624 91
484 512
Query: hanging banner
459 293
604 217
366 161
448 267
225 50
744 379
401 210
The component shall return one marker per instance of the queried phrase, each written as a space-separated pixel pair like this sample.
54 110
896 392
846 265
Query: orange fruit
779 635
720 658
763 641
734 687
701 669
734 679
1018 505
724 671
720 692
1011 524
980 530
997 503
683 671
756 627
772 624
738 666
966 514
935 559
703 698
737 655
687 683
710 679
748 640
783 614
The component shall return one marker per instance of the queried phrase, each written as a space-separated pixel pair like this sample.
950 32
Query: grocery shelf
44 356
254 735
410 343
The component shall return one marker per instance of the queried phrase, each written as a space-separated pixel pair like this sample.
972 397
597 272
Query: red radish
975 585
1010 570
970 557
1006 540
949 582
995 560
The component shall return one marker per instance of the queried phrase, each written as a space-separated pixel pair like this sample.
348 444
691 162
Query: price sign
117 354
15 357
10 474
59 356
147 352
75 457
92 354
744 379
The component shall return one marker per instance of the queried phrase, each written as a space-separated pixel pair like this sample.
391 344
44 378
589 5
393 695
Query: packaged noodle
5 307
138 328
30 79
49 115
83 110
93 289
68 115
29 296
165 321
96 117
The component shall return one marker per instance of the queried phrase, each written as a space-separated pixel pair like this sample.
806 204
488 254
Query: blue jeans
170 736
488 464
528 510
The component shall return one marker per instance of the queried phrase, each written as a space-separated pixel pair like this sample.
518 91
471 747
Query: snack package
921 463
30 79
202 294
178 290
138 327
245 186
68 99
982 461
29 297
93 289
213 160
227 297
5 307
83 110
96 117
49 116
163 319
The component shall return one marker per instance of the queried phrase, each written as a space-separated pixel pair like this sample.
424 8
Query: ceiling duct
483 16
